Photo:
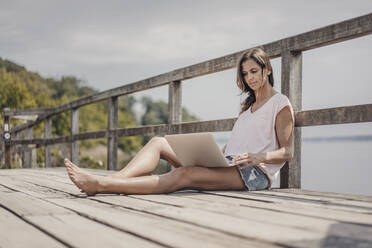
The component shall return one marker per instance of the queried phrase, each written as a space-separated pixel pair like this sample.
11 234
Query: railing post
175 103
27 154
74 151
7 146
290 175
17 150
174 107
47 134
112 140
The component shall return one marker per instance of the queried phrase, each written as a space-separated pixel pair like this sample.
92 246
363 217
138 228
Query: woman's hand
250 158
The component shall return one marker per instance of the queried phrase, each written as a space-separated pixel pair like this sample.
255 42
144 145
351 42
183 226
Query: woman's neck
264 93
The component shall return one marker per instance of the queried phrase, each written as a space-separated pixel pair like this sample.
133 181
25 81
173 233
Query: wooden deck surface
42 208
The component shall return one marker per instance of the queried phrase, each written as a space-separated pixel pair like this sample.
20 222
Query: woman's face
252 74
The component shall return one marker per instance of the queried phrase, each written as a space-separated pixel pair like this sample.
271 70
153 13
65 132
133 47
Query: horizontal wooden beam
331 116
23 126
331 34
204 126
153 130
21 112
25 117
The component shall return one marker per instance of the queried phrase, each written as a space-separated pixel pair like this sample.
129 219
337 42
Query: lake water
333 164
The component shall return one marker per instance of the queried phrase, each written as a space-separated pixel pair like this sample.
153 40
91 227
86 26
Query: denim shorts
253 177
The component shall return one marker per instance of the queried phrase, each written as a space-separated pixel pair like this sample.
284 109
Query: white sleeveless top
255 133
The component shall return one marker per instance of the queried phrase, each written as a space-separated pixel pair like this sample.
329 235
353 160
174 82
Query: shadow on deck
42 208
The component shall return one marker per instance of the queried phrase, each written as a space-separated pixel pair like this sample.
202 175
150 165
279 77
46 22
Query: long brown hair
262 59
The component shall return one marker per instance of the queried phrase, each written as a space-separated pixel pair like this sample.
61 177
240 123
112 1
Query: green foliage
14 93
156 112
21 89
88 162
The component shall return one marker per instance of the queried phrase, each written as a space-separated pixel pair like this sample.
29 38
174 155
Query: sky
110 43
113 43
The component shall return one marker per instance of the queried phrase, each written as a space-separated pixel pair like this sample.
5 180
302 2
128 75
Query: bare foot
85 181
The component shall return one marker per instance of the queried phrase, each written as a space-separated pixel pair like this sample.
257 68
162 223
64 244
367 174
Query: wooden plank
326 194
47 135
5 189
281 235
56 185
324 200
339 234
112 140
332 116
59 173
166 231
25 205
67 226
291 201
78 231
11 227
18 184
290 174
321 225
310 210
62 173
43 183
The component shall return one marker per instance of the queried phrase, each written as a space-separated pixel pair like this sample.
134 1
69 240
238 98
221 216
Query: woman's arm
284 132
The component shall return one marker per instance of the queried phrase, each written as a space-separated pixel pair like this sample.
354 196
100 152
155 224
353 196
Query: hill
22 89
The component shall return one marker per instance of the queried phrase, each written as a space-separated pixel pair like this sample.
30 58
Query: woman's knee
157 142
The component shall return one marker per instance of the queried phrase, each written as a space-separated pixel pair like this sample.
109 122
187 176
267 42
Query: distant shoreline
338 138
359 138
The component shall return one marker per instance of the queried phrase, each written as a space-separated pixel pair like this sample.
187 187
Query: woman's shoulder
281 99
282 102
280 95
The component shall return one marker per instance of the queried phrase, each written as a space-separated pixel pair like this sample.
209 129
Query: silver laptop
197 149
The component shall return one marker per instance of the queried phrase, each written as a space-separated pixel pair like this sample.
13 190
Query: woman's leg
181 178
147 159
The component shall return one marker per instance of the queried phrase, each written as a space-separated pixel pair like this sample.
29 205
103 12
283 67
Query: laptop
197 149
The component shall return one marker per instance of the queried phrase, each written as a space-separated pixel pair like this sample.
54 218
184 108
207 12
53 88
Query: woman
260 143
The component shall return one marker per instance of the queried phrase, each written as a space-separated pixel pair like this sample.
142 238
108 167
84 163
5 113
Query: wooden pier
42 208
290 50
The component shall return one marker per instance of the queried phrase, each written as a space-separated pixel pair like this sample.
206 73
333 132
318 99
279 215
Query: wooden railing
289 49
